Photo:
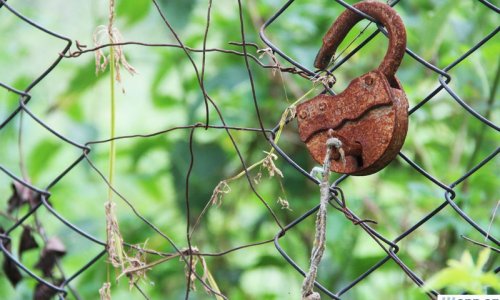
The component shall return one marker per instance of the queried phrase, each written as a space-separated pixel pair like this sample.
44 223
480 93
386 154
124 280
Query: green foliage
133 11
48 149
465 275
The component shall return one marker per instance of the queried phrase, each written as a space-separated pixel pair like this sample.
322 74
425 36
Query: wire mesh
391 246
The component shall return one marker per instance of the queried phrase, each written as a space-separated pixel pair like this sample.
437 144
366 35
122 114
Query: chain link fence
38 197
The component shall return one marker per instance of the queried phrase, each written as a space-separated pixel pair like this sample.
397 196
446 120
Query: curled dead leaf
53 250
105 291
21 195
44 292
27 242
284 203
218 193
9 267
268 163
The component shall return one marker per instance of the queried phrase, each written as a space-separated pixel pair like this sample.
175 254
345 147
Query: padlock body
370 112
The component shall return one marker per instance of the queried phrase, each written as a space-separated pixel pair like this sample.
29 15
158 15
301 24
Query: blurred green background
442 138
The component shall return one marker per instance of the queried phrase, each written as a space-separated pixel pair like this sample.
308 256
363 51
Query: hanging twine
320 236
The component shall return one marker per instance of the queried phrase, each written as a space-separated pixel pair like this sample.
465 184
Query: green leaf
449 277
483 258
133 11
81 81
150 185
268 260
490 279
467 260
465 275
41 156
84 78
166 91
454 263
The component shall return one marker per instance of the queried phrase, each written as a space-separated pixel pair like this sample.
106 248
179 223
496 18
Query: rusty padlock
370 117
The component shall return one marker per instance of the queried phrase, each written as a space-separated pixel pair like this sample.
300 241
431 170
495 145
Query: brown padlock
370 117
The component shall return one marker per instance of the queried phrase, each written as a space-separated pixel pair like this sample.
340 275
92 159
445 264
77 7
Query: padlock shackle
381 12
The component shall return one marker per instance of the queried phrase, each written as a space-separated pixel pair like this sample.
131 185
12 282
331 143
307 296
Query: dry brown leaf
9 267
21 195
27 241
284 203
53 250
114 243
218 193
44 292
105 291
268 163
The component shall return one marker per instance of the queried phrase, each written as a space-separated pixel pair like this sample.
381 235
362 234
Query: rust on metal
370 117
381 12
